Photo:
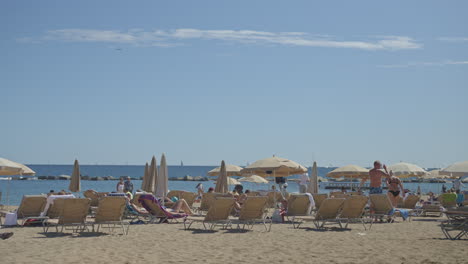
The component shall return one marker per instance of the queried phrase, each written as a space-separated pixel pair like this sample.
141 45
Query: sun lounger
274 198
353 210
30 208
208 199
157 210
382 207
328 212
189 197
433 208
252 212
110 212
318 199
218 214
298 205
457 223
73 214
93 196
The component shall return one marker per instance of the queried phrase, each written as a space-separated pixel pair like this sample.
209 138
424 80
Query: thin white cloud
174 37
453 39
424 64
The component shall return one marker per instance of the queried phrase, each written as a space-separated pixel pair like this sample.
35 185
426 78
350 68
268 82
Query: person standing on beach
128 186
120 185
457 184
375 176
395 188
304 180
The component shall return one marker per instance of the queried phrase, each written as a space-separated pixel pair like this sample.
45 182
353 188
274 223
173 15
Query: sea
12 191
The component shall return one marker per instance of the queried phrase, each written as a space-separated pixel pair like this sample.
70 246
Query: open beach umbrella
8 167
222 182
232 170
75 181
349 171
253 179
406 170
435 174
313 180
458 169
161 181
274 167
153 175
321 179
145 181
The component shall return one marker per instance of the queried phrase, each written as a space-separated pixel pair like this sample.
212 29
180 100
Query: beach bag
11 219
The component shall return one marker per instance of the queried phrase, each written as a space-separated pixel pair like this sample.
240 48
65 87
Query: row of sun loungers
216 210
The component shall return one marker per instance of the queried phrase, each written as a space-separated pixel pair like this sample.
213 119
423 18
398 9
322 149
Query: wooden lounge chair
274 198
353 210
30 208
381 207
189 197
252 212
73 214
110 212
208 199
93 196
218 214
298 205
457 223
318 199
433 209
328 212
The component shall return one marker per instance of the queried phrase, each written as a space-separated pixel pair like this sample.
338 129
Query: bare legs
181 205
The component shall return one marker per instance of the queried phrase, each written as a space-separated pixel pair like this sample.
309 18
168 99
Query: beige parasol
145 181
458 169
254 179
8 167
153 175
161 183
75 181
222 182
274 167
406 170
313 182
232 170
349 171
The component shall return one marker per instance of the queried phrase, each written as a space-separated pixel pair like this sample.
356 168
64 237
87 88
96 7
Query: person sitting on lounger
180 206
132 207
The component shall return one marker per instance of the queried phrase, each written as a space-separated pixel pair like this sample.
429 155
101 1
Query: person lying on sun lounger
180 206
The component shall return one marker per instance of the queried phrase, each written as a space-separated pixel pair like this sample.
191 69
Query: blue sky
339 82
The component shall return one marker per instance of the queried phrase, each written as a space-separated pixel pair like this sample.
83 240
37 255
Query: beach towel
403 212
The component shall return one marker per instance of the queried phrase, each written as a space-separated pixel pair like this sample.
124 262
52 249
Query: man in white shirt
303 181
457 184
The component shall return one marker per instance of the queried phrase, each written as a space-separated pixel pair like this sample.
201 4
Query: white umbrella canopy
406 170
349 171
321 179
435 174
161 184
274 167
8 167
313 182
232 170
75 181
458 169
254 179
222 182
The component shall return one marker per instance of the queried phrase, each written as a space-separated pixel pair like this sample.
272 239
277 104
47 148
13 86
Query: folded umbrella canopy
75 181
222 182
312 187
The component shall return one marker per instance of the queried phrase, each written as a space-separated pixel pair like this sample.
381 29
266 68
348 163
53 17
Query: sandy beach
418 241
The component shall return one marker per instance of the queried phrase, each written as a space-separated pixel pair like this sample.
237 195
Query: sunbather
178 207
395 187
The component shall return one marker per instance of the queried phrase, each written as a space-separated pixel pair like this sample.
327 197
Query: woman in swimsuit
394 188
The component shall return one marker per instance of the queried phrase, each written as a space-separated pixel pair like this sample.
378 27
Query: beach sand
418 241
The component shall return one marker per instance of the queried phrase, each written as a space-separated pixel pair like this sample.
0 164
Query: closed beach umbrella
222 182
161 181
145 181
349 171
254 179
8 167
75 181
458 169
406 170
274 167
313 182
153 175
231 170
